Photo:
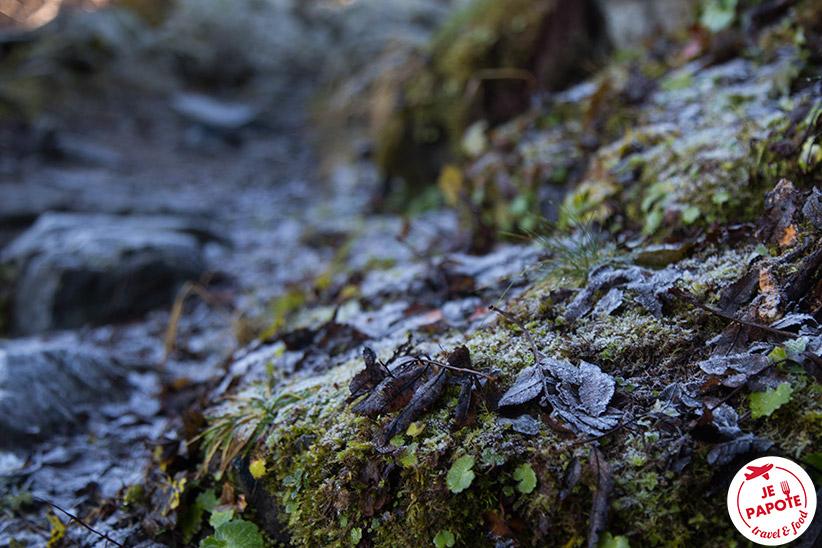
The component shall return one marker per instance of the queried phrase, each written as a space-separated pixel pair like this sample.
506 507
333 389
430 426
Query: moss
335 486
702 153
484 63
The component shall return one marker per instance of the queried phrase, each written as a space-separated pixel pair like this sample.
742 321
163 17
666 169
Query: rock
46 386
81 268
213 113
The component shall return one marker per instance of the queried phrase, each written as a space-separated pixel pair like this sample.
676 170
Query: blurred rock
213 113
47 386
81 268
630 23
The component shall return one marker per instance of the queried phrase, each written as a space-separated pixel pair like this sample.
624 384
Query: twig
689 298
103 536
536 352
457 369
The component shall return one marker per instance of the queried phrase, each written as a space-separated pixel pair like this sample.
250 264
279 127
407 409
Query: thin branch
457 369
511 319
691 299
536 352
103 536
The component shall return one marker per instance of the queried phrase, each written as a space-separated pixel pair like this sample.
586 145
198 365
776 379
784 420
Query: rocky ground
220 331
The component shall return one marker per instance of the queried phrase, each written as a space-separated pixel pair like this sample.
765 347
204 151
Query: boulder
47 386
85 268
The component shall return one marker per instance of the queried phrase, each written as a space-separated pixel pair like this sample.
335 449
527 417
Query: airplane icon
757 471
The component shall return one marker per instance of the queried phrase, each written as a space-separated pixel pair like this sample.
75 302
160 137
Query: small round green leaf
526 477
460 475
765 403
444 538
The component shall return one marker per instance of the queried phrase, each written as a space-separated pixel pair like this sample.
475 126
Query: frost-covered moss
700 154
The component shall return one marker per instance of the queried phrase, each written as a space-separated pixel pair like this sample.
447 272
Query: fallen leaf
466 412
460 357
524 424
570 478
580 393
596 388
812 210
392 394
422 399
496 525
600 505
660 256
369 378
735 369
769 288
600 279
724 453
649 288
780 207
650 291
527 387
793 320
788 237
609 303
739 293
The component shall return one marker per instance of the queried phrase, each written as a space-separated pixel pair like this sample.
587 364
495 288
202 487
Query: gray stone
213 113
47 386
82 268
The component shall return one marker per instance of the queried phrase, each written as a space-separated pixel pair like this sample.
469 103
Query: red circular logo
772 501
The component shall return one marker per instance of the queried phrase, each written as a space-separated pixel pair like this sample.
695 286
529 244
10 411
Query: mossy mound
492 482
485 64
658 144
692 334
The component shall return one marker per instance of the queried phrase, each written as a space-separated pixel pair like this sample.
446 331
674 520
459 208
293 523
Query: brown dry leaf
466 412
601 504
392 394
496 525
788 237
769 288
812 210
780 208
423 398
369 378
570 478
739 293
460 357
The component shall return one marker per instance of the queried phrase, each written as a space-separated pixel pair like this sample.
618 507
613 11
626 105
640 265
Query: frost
736 368
648 287
580 394
609 303
524 424
724 453
527 387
